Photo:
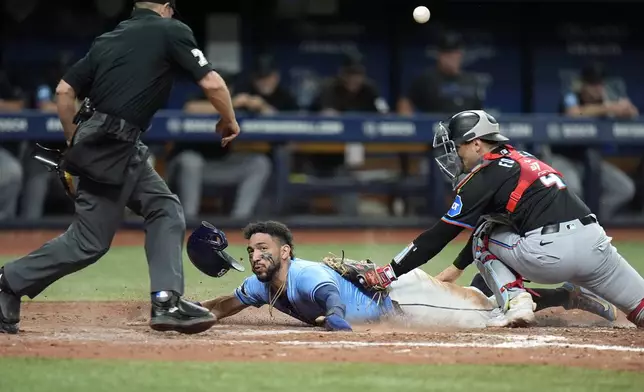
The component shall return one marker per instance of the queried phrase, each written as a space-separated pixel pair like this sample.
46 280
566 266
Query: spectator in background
11 172
591 99
194 166
446 89
350 91
37 178
263 92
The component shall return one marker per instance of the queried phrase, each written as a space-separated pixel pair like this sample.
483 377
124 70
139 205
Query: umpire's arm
78 78
184 52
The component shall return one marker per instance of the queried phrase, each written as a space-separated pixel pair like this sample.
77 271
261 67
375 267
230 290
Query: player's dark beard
270 270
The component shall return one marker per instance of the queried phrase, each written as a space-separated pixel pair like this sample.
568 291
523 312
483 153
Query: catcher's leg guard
502 281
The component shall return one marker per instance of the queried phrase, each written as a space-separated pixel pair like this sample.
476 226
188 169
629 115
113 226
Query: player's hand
621 108
386 275
336 323
449 274
256 103
241 100
228 129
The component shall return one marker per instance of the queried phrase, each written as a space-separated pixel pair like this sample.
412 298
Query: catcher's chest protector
531 170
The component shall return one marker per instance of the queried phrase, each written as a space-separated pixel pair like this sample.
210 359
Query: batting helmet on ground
205 250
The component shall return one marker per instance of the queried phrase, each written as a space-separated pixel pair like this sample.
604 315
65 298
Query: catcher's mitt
363 273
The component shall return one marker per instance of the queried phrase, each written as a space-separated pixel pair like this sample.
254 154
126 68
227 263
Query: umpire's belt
101 149
554 228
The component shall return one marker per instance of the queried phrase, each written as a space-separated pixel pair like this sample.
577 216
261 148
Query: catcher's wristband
387 275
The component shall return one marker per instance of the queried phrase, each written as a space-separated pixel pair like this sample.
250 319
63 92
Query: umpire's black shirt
129 72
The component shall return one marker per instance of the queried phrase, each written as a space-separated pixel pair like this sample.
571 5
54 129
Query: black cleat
9 309
176 314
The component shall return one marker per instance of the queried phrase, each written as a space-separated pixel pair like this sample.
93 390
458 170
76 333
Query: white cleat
521 312
497 319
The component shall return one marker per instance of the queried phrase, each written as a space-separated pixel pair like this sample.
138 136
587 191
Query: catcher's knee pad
637 315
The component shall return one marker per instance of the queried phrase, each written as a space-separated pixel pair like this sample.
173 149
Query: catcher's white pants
428 302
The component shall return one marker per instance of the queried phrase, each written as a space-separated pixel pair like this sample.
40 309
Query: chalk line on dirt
509 345
491 340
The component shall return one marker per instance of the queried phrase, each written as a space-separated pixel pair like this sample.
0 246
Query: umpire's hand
228 129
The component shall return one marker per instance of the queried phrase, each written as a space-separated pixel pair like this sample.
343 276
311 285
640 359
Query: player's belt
554 228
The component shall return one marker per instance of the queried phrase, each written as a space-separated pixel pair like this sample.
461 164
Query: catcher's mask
205 250
462 128
51 159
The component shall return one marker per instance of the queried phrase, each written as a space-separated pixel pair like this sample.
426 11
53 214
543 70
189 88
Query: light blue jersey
304 279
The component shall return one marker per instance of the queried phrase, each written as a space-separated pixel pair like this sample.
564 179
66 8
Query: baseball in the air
421 14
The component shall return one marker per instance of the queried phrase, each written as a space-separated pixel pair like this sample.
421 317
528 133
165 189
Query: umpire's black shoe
9 308
171 313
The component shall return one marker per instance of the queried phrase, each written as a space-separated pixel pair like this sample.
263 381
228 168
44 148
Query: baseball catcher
526 226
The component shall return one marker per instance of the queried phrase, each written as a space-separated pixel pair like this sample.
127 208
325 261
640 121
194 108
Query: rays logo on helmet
457 207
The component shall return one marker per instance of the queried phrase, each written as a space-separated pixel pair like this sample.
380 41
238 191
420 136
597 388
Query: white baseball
421 14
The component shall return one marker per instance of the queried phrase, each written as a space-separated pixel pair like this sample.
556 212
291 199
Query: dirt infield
119 330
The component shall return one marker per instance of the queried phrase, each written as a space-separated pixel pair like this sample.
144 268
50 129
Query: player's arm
78 78
424 248
326 99
406 105
224 306
250 293
184 51
473 197
317 286
574 108
328 298
463 260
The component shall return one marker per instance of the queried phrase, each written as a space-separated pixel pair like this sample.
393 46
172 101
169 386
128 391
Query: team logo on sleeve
457 206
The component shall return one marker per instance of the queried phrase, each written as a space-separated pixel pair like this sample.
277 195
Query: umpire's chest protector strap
531 170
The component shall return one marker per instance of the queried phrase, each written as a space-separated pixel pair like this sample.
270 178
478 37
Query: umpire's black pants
99 213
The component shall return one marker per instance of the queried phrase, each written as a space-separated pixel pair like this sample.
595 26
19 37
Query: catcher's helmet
52 158
462 128
205 250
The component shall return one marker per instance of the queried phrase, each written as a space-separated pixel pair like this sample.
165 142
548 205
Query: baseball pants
191 171
428 302
577 253
99 213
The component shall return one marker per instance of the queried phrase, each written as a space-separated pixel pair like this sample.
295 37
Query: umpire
127 76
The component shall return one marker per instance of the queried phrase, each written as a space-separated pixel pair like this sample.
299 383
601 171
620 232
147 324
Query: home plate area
119 330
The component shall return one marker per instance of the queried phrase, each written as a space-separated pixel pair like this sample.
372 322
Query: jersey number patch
552 180
457 207
505 162
199 55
